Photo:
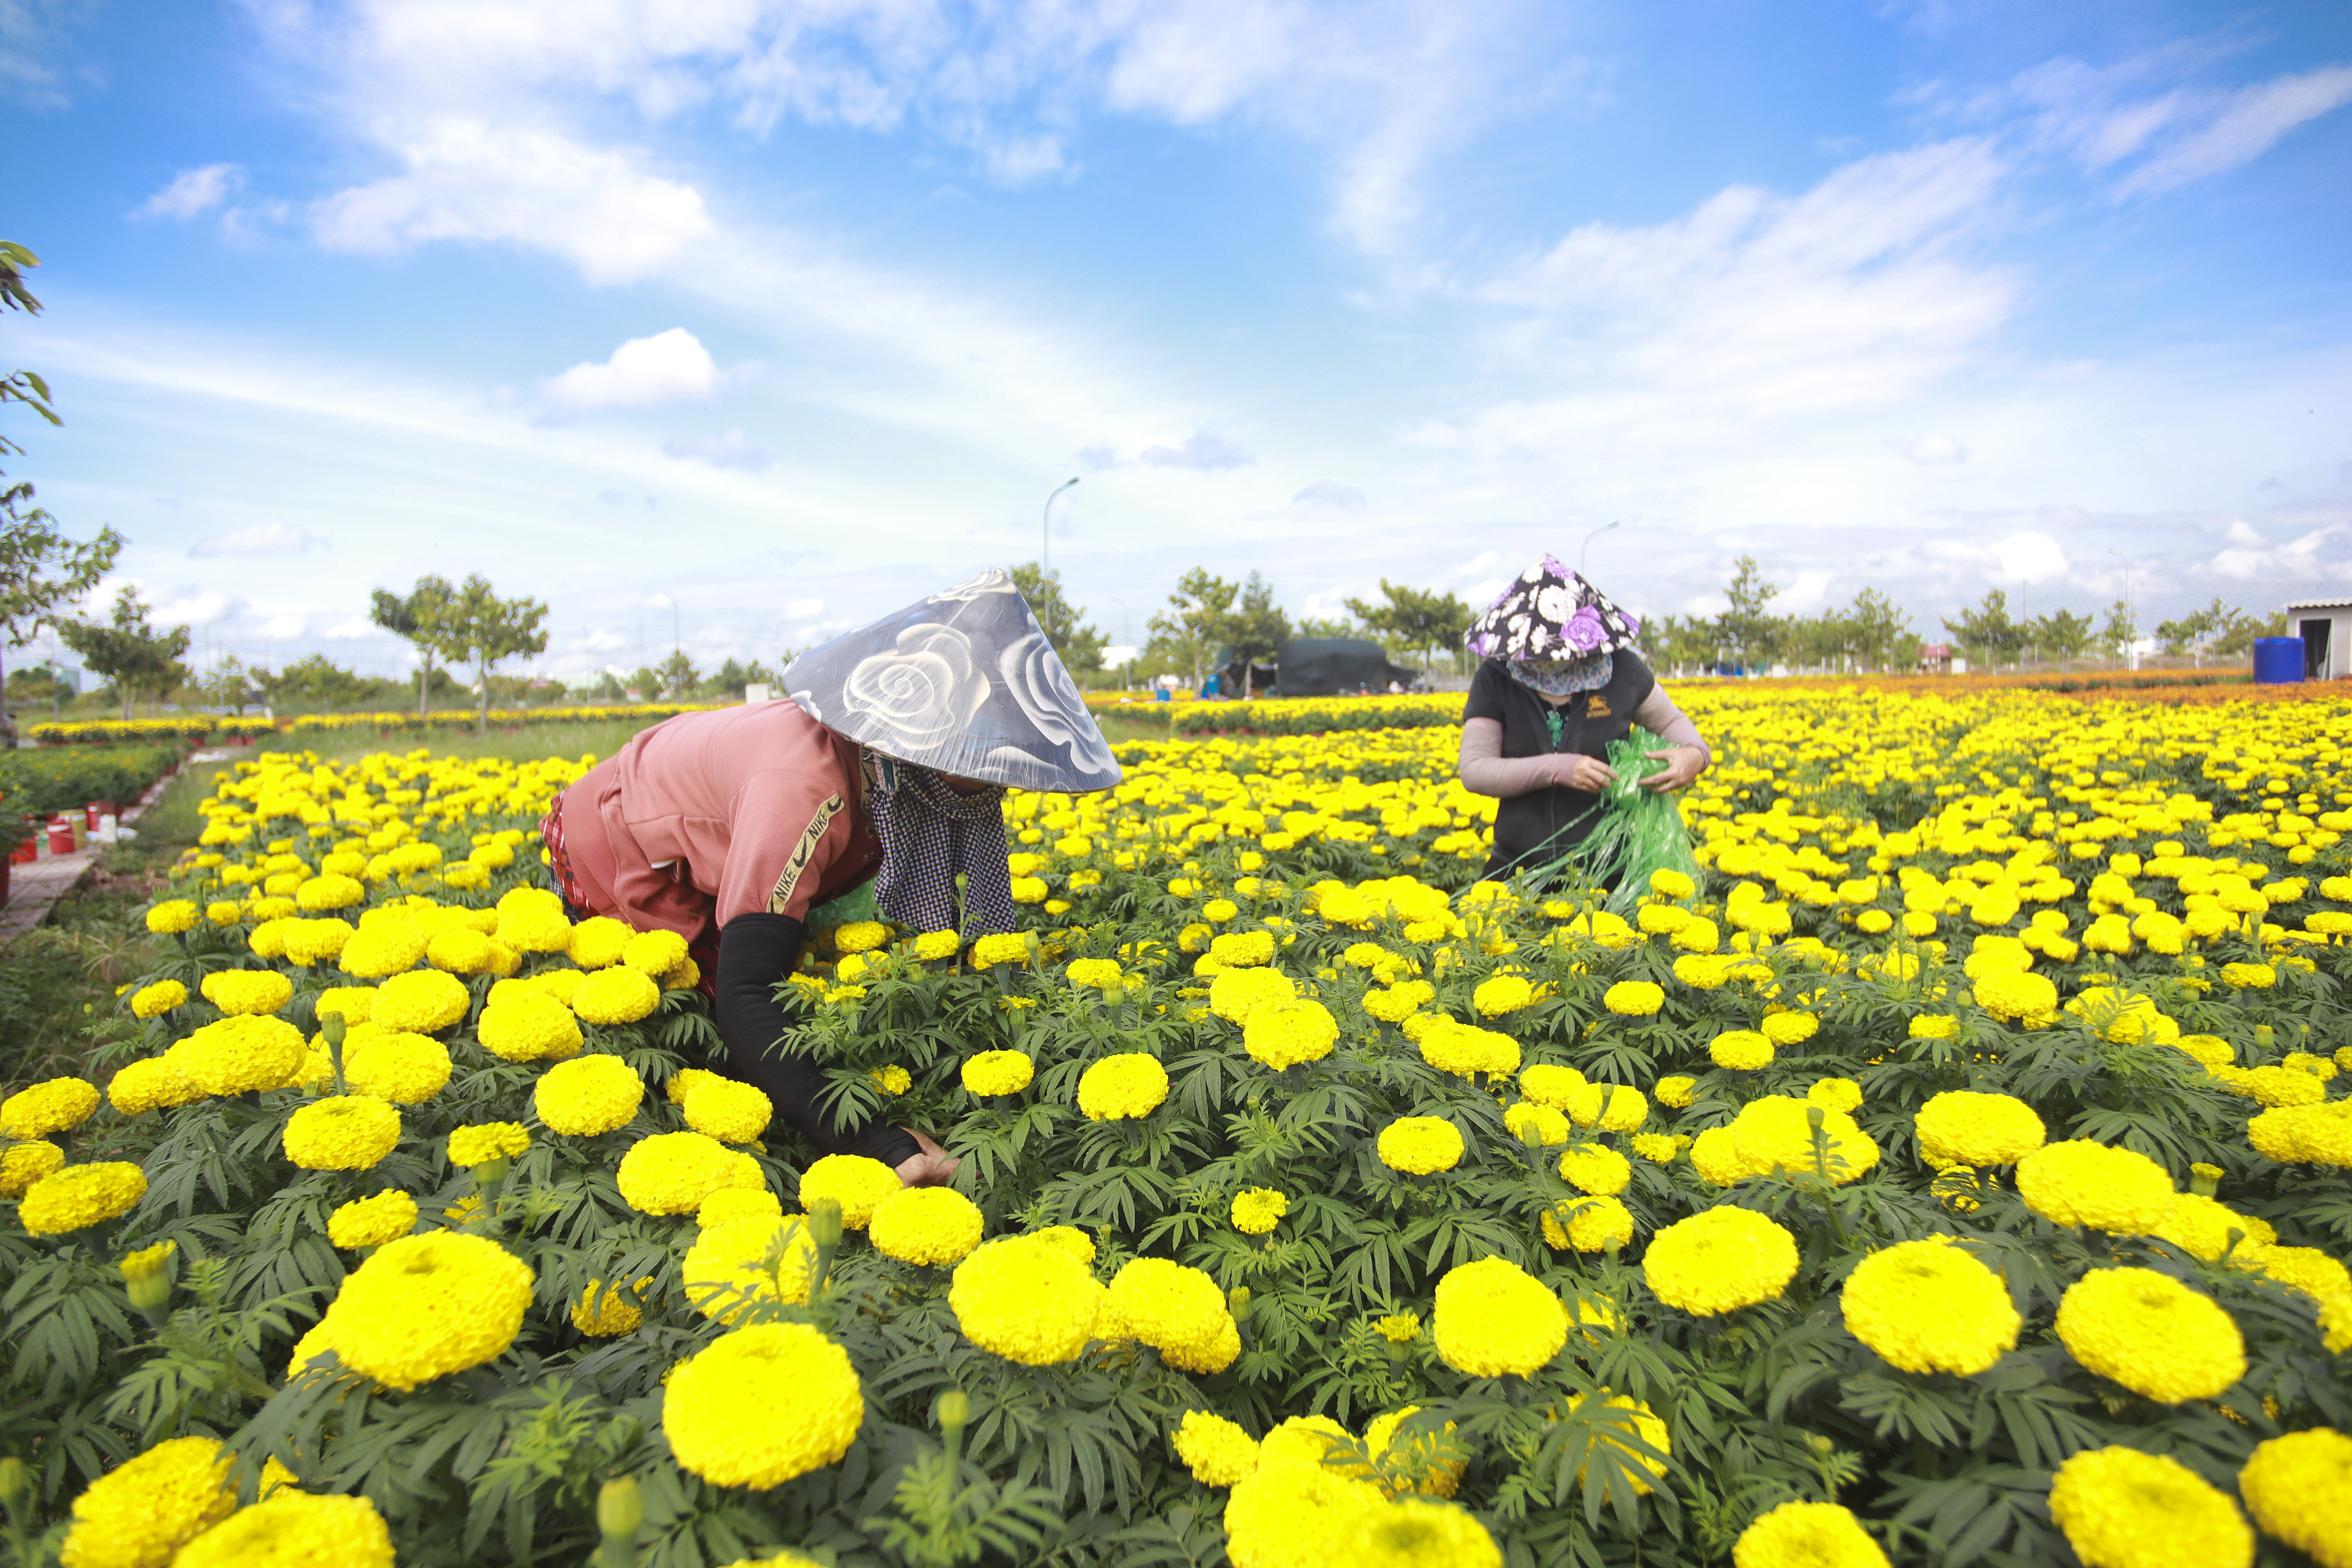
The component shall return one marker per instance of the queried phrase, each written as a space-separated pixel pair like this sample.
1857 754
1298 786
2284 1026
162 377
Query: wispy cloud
194 192
732 450
262 539
1209 449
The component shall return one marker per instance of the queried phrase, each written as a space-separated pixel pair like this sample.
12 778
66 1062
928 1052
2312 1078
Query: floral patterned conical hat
1554 630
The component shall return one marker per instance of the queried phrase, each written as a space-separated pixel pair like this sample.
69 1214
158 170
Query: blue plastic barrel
2278 662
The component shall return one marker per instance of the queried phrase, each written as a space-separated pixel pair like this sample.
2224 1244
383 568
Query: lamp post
1588 546
1045 538
2131 645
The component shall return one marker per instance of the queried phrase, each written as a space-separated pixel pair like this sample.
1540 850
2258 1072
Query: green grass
532 740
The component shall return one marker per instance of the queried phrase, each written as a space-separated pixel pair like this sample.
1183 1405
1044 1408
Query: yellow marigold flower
2299 1489
1633 998
22 1165
148 1262
608 1312
653 953
1257 1210
2336 1323
1677 1091
931 1225
1126 1085
77 1197
1932 1026
405 1068
999 947
620 994
1463 1049
672 1172
1177 1310
2303 1269
1646 1425
372 1222
1399 1328
1395 1003
1962 1127
857 1183
1027 1298
597 943
382 949
2120 1508
1549 1126
2151 1333
1929 1306
344 1133
2201 1226
933 945
1420 1145
2088 1185
1610 1106
1235 994
999 1072
250 991
145 1510
1741 1050
1243 949
1503 993
1103 973
588 1095
459 951
321 894
171 917
1791 1028
426 1306
533 928
527 1026
1415 1531
1806 1535
1719 1260
154 1083
1291 1514
1656 1147
1593 1224
471 1146
731 1111
860 936
292 1528
2016 995
1775 1132
1284 1033
2249 976
762 1405
154 1001
56 1105
240 1054
1412 1463
1836 1094
1217 1451
2316 1134
1493 1320
1547 1085
420 1001
1670 884
355 1003
1595 1168
736 1264
738 1203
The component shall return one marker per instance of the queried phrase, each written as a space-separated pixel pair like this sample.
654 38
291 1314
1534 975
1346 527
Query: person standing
1559 680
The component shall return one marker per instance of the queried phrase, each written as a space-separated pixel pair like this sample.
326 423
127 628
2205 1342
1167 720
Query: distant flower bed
106 732
462 718
1312 715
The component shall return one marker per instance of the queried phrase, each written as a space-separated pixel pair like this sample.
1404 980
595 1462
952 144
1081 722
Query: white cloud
194 192
184 608
1209 448
2318 554
733 450
285 629
2247 124
2030 558
1930 451
355 629
469 179
667 367
1328 495
2146 121
1755 308
261 539
805 609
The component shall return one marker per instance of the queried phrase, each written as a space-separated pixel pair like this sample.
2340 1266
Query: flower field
1956 1172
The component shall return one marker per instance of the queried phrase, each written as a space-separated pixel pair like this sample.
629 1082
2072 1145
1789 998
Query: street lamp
2131 643
1588 546
1046 534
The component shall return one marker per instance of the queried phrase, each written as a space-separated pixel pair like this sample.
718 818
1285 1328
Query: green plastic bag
1640 831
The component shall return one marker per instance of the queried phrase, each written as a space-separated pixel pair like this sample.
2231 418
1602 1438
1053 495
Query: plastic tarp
1332 666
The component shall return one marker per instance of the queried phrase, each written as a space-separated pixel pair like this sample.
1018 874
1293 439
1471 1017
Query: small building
1941 658
2326 627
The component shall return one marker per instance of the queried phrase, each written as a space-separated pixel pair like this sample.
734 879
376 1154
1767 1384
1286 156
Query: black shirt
1533 829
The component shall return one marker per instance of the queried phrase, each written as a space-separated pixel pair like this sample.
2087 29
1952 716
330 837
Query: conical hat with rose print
964 682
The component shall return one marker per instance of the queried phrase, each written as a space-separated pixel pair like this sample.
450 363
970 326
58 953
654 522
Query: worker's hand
1684 764
931 1167
1578 770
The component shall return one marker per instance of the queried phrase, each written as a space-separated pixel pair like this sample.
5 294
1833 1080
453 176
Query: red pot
25 854
97 809
61 836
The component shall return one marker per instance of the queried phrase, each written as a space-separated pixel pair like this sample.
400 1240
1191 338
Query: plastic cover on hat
963 682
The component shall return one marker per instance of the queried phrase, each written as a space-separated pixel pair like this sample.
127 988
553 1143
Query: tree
1420 620
1255 628
129 652
2241 638
2122 630
1325 626
2218 629
41 570
1879 628
227 685
478 628
2062 635
416 615
316 682
678 675
1063 623
1750 631
1188 630
1987 632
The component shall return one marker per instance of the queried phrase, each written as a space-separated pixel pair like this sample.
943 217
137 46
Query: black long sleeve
755 952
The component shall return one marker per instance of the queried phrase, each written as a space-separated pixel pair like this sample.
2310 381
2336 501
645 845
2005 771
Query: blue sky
766 316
